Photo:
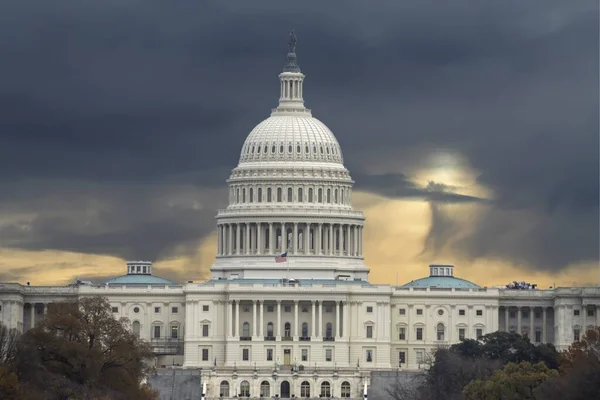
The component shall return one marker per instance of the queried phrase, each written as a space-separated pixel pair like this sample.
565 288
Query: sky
470 128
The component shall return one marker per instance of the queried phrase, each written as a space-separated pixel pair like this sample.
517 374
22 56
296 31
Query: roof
446 282
299 282
291 138
141 279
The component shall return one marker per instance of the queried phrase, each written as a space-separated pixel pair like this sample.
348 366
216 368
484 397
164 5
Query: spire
291 65
291 99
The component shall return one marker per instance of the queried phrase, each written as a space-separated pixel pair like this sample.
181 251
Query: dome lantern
291 79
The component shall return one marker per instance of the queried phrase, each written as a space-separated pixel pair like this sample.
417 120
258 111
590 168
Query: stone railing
306 210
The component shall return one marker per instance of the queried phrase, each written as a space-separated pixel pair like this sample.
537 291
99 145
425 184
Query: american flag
281 258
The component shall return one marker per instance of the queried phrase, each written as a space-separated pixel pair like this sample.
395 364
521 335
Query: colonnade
302 238
314 330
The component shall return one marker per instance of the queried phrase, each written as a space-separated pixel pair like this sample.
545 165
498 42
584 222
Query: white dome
291 138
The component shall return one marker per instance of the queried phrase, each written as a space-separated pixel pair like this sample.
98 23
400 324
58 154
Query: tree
404 387
513 382
9 381
80 350
579 371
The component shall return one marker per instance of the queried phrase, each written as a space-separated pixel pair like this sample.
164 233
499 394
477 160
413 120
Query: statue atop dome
292 42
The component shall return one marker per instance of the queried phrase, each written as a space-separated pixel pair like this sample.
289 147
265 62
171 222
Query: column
450 325
470 332
271 238
261 308
237 238
32 313
337 319
237 318
544 340
307 238
330 252
531 316
230 318
506 316
247 240
318 239
254 330
345 332
340 240
229 239
218 239
295 239
320 333
348 252
278 318
295 319
283 238
519 320
360 241
259 238
313 326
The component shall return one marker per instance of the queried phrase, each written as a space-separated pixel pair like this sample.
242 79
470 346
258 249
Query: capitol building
289 310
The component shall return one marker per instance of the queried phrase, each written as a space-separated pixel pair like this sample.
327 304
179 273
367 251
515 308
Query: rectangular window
402 311
174 310
174 332
304 309
205 308
402 334
204 354
419 311
115 309
245 354
304 354
246 309
576 312
156 331
461 312
479 313
461 334
525 314
538 336
479 333
590 313
538 314
576 334
369 355
401 358
269 308
369 332
287 308
328 354
419 333
328 309
269 354
205 330
157 310
369 309
419 357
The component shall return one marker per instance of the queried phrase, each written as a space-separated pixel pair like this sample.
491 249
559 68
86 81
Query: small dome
291 138
444 282
140 279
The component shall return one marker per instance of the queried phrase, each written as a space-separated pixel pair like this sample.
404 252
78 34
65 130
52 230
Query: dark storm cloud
122 102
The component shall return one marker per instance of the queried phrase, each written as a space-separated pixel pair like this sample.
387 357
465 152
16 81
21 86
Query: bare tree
9 339
405 386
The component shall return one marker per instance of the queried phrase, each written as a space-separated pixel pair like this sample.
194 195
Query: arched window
320 196
135 327
328 330
265 389
258 149
300 197
245 389
440 331
345 389
314 149
273 149
335 198
342 196
251 195
325 389
310 195
259 195
265 149
281 148
224 389
298 149
237 195
243 195
268 195
279 195
305 389
328 195
270 329
290 195
306 149
304 329
289 148
287 330
246 329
